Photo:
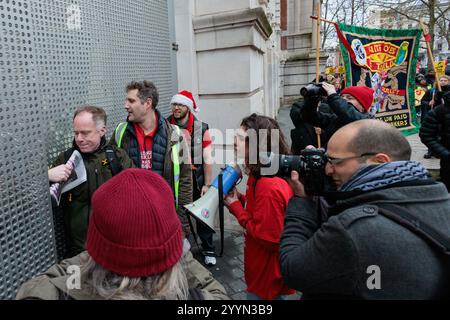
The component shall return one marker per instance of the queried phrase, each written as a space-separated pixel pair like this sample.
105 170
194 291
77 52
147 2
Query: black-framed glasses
335 161
179 105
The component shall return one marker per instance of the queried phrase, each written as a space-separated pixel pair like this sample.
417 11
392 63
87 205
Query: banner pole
430 54
318 42
322 19
318 55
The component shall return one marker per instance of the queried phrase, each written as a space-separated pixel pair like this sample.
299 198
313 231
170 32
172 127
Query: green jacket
51 285
76 203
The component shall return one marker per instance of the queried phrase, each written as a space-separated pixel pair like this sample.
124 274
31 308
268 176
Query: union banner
384 60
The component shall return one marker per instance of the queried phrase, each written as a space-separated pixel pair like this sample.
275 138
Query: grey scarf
377 176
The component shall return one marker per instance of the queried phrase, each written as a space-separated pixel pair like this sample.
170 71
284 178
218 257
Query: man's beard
181 116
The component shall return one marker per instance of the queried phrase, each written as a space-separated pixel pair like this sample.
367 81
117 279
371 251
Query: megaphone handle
221 212
191 226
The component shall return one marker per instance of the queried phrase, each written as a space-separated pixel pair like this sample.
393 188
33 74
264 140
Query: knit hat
364 95
134 229
420 76
186 99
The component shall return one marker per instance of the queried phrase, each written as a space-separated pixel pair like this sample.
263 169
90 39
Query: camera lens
304 91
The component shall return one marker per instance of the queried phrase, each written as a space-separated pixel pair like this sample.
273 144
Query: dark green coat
76 203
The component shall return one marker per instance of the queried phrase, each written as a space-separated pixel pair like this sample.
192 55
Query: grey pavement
229 269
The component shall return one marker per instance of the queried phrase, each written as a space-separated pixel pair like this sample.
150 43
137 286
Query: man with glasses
184 115
345 245
89 127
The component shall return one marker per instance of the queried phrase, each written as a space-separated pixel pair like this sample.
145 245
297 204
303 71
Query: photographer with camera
376 236
352 104
305 134
261 211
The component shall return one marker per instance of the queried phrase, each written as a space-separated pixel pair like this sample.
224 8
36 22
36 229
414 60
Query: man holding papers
101 162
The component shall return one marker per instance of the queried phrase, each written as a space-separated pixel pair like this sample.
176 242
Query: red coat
263 220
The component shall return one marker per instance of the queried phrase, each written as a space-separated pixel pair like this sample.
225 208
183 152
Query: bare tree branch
434 11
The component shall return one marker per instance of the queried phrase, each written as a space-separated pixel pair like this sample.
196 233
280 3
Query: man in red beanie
351 105
135 250
360 97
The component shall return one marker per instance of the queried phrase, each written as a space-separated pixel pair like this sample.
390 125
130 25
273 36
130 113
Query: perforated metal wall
56 55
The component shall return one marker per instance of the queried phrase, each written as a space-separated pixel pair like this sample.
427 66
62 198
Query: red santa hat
186 99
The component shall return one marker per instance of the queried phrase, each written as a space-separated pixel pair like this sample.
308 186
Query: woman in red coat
261 211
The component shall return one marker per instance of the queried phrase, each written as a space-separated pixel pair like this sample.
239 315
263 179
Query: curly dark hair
146 90
262 127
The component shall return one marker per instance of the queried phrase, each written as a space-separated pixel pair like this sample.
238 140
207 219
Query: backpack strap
113 162
403 217
119 132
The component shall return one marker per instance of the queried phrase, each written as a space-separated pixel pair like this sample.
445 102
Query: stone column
300 39
230 55
223 60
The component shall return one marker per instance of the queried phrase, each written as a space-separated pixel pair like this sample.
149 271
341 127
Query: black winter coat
343 114
435 131
334 259
304 133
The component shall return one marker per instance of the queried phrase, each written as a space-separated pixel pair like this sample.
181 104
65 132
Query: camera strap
422 229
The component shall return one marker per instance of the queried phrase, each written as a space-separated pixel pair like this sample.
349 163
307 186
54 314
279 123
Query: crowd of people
380 230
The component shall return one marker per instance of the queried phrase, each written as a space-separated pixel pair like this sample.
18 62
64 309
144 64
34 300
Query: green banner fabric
385 60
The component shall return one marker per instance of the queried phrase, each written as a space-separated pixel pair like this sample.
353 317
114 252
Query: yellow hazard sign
440 67
330 70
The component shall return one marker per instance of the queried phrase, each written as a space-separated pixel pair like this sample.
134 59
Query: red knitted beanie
134 229
364 95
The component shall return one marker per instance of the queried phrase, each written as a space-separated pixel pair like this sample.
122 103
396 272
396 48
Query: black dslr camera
313 90
310 165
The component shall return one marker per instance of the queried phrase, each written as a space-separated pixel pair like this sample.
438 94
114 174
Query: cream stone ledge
224 30
302 54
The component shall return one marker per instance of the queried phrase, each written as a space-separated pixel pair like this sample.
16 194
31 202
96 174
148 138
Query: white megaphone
205 208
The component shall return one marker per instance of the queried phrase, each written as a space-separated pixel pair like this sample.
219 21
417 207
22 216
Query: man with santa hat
184 111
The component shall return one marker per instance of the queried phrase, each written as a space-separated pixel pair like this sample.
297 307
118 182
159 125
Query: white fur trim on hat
185 101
